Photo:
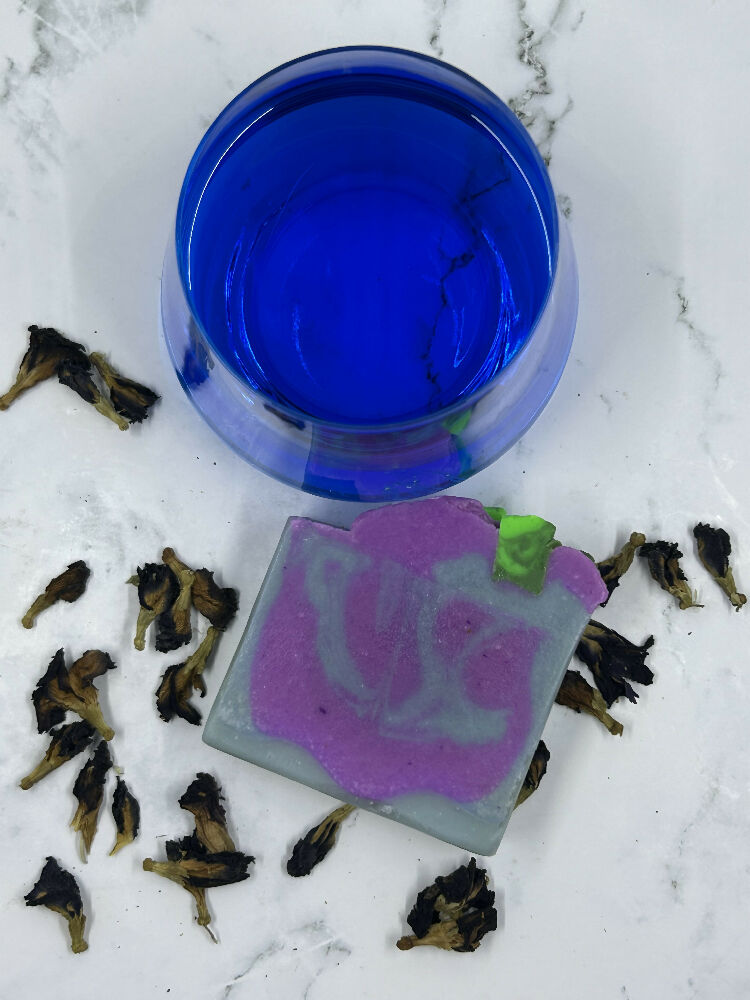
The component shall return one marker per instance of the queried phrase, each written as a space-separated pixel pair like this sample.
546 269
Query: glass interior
363 251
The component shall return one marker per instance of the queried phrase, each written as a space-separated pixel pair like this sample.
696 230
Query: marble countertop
625 877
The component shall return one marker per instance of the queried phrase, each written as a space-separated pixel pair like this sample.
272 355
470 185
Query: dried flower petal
615 567
60 690
614 660
217 604
65 743
663 564
58 890
190 863
89 790
454 913
130 399
127 816
173 627
576 693
473 926
310 850
50 687
157 591
198 873
68 586
714 549
75 373
47 350
537 770
180 680
203 798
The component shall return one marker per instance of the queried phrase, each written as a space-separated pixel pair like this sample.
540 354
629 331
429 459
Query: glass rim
424 419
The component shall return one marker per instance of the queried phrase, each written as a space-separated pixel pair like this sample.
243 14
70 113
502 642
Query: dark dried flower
217 604
65 743
47 350
198 872
614 660
663 564
51 687
173 627
58 890
130 399
714 549
310 850
576 693
191 862
127 816
209 871
203 798
60 689
89 790
75 373
180 680
68 586
454 913
537 770
157 591
616 566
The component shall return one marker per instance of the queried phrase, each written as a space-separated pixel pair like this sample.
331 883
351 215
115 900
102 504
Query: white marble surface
626 876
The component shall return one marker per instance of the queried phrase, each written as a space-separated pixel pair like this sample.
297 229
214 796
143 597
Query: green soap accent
524 543
454 425
496 513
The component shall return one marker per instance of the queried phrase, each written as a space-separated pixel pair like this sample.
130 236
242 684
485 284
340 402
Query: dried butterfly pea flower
576 693
61 689
208 870
173 627
68 586
58 890
454 913
65 743
196 872
89 790
190 861
615 567
217 604
614 660
157 591
75 373
203 798
47 350
51 687
714 549
537 770
663 564
177 851
130 399
180 680
310 850
127 816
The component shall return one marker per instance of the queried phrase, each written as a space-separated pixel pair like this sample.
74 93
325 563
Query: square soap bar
384 666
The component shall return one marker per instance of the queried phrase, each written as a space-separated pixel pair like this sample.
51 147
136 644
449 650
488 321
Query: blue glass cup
369 292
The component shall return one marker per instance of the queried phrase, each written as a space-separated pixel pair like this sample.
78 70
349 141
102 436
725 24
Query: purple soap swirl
378 658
